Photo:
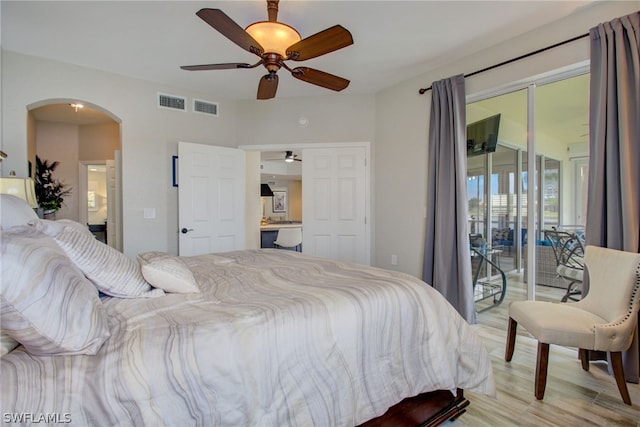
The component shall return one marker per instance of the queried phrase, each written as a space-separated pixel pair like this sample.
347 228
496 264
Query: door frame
369 173
83 173
82 196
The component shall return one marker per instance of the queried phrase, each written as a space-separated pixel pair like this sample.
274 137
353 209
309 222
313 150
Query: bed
247 338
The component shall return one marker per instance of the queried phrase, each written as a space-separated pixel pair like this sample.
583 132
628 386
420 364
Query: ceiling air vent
172 102
205 107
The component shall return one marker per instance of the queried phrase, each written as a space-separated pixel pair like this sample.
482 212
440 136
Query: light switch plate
149 213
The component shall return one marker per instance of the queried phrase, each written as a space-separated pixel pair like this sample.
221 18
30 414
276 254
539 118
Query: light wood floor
573 397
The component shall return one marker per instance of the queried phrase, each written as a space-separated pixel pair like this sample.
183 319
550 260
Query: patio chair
569 253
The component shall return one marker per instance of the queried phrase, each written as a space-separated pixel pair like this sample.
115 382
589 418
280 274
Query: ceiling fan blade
229 66
326 41
268 86
228 28
320 78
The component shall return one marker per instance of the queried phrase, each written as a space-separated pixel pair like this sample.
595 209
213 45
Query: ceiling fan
290 157
275 43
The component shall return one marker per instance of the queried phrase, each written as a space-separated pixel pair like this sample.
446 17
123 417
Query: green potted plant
50 192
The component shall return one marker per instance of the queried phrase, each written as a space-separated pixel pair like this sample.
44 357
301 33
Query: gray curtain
613 207
447 258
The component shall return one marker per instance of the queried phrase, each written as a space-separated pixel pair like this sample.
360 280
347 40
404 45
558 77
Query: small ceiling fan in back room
290 157
275 43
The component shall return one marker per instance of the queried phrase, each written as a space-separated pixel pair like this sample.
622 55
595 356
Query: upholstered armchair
604 320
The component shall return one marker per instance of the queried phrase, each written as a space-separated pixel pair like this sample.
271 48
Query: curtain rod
526 55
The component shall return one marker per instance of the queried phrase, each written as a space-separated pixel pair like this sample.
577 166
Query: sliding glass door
550 118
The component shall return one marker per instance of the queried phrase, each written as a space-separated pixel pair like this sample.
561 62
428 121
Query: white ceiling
393 40
65 113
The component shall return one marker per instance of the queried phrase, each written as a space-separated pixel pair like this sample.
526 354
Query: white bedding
274 338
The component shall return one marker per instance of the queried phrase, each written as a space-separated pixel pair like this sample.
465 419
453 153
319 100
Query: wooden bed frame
424 410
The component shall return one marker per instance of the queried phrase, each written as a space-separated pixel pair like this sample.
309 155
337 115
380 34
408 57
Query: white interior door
334 203
211 198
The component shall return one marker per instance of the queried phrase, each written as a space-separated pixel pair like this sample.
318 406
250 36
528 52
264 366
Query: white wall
335 117
98 142
149 135
402 122
60 142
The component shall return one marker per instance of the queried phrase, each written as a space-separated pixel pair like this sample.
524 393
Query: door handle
186 230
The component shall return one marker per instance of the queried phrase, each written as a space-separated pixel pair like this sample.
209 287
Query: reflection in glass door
504 205
580 178
550 192
476 171
497 213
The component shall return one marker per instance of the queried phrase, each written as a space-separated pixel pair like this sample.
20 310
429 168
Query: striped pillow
52 228
111 271
46 304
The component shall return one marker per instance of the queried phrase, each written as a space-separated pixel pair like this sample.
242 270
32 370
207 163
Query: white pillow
151 256
46 304
14 211
52 228
170 274
111 271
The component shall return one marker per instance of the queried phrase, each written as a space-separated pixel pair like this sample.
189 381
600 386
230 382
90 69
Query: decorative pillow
46 304
7 343
151 256
145 257
14 211
52 228
170 274
111 271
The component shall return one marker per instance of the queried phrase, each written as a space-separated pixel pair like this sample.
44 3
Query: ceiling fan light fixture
274 37
289 157
76 106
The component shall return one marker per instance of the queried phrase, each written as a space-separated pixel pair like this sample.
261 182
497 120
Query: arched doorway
81 136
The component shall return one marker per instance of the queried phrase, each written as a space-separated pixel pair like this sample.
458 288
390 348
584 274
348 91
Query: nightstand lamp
23 188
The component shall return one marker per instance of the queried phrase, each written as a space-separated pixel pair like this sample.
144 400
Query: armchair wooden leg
584 358
618 373
541 369
511 339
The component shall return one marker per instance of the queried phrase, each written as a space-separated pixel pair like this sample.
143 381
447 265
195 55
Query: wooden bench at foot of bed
424 410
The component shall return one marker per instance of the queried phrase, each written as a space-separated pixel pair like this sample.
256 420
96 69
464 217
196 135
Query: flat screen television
482 136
